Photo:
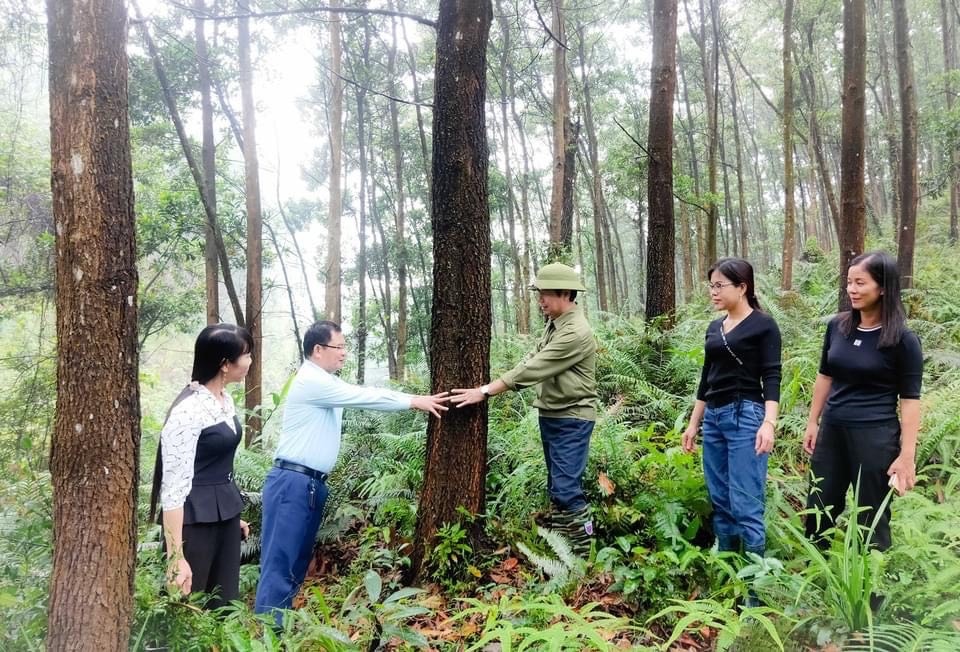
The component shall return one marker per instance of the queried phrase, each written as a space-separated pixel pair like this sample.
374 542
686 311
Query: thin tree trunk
789 211
399 214
208 210
95 447
520 301
888 111
949 34
361 326
808 83
333 272
560 233
907 234
251 182
286 284
853 118
456 456
661 278
741 194
208 156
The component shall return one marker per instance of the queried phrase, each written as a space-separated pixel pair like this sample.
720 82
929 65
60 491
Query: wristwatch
485 390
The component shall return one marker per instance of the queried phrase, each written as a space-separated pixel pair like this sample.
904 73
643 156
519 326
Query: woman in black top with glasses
738 402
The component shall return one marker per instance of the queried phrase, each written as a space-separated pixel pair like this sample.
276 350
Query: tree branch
547 29
308 10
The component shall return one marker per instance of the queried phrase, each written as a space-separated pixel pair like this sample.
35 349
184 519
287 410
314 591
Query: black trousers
213 552
845 453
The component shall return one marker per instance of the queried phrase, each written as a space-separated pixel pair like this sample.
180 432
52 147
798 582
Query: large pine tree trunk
96 438
456 458
908 149
333 273
208 157
361 329
661 277
853 224
251 183
789 211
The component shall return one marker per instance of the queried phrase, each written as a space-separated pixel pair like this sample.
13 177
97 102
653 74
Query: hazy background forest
321 208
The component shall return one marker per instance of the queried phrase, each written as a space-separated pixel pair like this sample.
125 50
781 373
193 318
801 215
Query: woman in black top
738 402
193 475
870 363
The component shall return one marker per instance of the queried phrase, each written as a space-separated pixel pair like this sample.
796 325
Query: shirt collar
565 317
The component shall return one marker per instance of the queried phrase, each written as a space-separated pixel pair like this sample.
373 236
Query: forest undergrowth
653 579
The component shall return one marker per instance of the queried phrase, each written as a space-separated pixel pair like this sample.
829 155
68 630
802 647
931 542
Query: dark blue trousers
566 446
292 510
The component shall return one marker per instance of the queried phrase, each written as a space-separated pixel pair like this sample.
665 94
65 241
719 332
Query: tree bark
361 327
661 276
208 156
251 183
789 211
907 234
853 223
96 439
333 273
456 456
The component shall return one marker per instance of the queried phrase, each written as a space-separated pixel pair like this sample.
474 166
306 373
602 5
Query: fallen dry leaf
606 484
509 564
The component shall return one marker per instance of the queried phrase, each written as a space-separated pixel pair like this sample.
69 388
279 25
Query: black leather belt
300 468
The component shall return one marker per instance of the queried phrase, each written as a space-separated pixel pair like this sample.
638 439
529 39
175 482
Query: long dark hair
740 272
216 344
882 268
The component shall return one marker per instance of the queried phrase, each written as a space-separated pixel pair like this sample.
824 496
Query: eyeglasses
342 347
716 287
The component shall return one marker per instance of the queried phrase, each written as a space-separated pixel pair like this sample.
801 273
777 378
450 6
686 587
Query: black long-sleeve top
756 376
866 382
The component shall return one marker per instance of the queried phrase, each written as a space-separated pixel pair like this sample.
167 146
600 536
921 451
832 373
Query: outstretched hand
434 404
462 397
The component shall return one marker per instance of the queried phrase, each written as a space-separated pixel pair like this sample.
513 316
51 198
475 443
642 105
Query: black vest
214 496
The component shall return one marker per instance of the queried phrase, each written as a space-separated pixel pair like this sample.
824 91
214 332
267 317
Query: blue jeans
566 445
292 510
735 474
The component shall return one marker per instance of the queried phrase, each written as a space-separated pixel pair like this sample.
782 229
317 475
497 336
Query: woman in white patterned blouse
193 475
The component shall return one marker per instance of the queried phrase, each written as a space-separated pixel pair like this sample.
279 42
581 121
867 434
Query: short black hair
319 334
215 345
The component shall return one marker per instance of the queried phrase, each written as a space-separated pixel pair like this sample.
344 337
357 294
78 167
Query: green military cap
557 276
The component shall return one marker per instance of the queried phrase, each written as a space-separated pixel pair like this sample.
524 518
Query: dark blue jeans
292 510
735 474
566 445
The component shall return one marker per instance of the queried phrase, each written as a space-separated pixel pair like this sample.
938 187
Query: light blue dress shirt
313 415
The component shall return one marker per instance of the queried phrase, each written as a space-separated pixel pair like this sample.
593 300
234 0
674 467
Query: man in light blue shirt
295 490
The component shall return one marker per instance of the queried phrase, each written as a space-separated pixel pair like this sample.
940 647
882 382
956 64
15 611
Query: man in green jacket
564 369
